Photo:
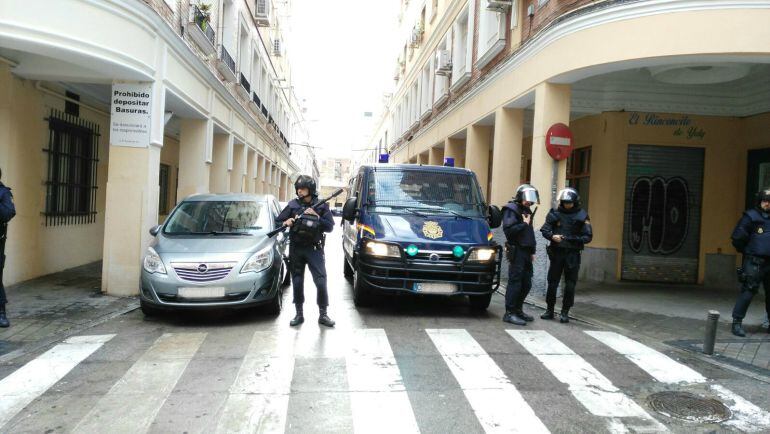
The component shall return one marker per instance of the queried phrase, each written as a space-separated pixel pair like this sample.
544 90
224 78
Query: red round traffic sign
558 141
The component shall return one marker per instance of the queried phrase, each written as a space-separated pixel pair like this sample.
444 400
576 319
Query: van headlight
383 250
259 261
481 255
152 262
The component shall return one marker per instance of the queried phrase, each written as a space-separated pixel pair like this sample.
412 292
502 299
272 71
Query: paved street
409 365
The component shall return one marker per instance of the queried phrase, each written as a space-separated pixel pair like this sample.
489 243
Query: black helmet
304 181
569 195
528 193
763 195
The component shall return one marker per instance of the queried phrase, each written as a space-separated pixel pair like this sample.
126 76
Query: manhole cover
684 405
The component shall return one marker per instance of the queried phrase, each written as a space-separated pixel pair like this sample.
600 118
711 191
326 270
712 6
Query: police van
420 230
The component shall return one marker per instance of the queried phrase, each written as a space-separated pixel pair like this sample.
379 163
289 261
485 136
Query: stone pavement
51 308
675 315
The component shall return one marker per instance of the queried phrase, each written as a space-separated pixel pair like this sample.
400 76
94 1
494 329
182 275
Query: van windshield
217 218
424 192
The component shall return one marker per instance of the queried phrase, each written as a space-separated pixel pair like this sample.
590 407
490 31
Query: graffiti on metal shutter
659 214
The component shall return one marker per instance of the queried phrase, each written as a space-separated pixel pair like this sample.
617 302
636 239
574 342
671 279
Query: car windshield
424 192
217 218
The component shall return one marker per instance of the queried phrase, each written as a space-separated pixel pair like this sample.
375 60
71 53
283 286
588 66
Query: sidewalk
51 308
675 315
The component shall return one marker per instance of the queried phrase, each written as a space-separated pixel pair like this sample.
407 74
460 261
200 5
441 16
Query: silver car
213 251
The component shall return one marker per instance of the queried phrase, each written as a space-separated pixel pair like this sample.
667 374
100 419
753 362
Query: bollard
711 332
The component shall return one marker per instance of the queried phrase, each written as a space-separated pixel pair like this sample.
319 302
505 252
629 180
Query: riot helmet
527 193
763 196
304 181
569 195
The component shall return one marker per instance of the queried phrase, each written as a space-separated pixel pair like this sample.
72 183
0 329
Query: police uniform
306 248
574 226
7 212
520 247
751 237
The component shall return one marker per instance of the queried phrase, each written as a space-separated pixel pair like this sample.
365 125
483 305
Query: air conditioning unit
443 63
262 12
415 39
277 52
499 5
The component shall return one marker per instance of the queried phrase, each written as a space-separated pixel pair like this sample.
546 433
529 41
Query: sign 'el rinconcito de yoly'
683 125
131 114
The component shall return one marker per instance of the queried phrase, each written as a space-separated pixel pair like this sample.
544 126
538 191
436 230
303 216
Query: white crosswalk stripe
497 403
379 400
592 389
133 402
33 379
746 416
259 397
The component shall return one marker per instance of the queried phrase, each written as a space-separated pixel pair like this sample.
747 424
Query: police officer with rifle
308 219
568 229
751 237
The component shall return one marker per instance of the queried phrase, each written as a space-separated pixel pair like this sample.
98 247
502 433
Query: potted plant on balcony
205 17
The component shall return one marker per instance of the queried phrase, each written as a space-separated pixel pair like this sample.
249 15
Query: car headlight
482 255
384 250
153 263
259 261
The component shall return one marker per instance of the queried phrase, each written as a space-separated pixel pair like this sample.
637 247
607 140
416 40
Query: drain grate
686 406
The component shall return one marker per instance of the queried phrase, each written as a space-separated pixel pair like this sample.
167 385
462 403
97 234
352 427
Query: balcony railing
265 113
245 83
256 99
203 23
227 59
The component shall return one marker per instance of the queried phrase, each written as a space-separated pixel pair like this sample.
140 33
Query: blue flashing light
458 252
384 158
411 250
449 162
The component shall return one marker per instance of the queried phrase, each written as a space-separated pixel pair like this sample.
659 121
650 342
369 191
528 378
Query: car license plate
202 292
435 288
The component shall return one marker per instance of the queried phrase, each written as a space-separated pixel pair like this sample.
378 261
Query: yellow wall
169 155
34 249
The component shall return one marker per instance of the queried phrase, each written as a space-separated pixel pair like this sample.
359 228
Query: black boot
738 328
548 314
512 318
324 319
3 319
564 316
298 318
526 317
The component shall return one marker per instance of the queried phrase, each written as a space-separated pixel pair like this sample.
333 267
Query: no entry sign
558 141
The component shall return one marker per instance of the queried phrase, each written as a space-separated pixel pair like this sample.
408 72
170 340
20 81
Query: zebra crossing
258 400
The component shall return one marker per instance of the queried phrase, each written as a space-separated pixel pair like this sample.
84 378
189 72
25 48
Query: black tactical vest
570 224
759 237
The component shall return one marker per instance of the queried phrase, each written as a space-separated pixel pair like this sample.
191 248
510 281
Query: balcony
244 87
201 31
226 65
265 113
255 102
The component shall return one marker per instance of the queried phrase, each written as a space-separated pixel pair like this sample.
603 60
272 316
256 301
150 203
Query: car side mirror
495 217
155 230
349 211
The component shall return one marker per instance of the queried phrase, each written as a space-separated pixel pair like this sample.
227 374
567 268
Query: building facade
668 103
111 116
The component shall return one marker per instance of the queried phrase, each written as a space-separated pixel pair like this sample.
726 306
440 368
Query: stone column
477 149
239 168
220 177
195 138
455 148
506 154
436 156
423 158
251 170
552 105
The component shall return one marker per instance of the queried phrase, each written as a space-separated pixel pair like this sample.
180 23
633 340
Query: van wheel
148 310
480 303
275 305
347 270
361 294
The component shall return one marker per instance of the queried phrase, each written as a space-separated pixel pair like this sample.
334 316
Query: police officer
568 229
306 243
7 212
520 248
751 237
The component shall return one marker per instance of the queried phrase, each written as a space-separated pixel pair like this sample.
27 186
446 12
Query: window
441 81
461 49
427 90
72 161
164 183
433 9
579 172
218 217
492 33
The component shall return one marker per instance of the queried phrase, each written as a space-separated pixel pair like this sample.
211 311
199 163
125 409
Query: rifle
275 232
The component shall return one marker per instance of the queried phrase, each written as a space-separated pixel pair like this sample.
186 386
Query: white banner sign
131 114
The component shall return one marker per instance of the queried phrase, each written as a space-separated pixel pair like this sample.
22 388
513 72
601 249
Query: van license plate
435 288
203 292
